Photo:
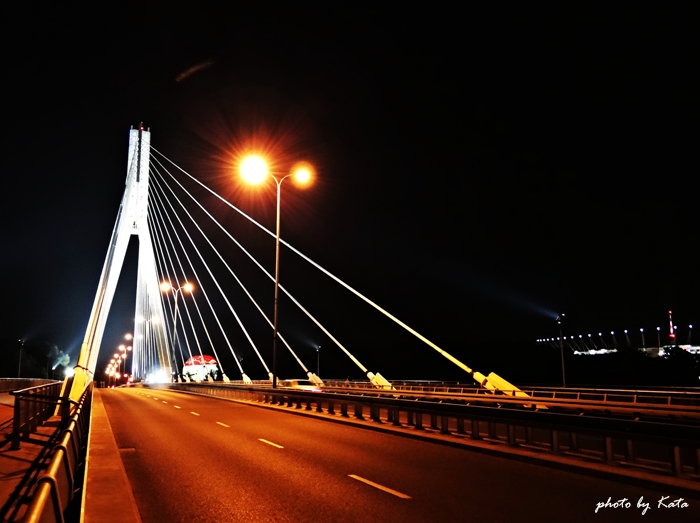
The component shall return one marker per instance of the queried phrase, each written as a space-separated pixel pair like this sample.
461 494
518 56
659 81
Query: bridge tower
132 219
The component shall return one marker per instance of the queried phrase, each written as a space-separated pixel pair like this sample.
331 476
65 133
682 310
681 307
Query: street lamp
318 360
561 349
19 368
658 336
167 287
124 350
254 170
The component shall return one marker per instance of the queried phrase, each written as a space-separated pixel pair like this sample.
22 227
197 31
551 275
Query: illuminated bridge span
185 455
184 246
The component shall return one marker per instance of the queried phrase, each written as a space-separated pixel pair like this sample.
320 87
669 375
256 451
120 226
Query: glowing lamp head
303 173
165 286
188 287
253 169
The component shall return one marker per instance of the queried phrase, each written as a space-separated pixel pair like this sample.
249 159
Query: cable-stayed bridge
190 294
179 453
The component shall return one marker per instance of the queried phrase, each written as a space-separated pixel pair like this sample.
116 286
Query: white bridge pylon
151 347
132 220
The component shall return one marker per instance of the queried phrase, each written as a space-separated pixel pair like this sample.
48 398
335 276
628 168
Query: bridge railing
33 406
671 449
600 395
62 482
9 384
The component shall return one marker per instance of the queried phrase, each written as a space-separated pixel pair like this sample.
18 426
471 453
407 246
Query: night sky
479 171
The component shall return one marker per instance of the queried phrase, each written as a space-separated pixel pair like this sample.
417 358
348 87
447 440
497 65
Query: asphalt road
192 458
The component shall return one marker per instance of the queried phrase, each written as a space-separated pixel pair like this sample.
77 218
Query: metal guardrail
650 404
686 398
8 384
33 406
58 485
671 449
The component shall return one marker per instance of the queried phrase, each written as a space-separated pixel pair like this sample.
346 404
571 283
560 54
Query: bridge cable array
444 353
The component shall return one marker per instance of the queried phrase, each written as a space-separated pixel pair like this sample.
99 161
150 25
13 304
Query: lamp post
124 351
318 360
612 333
166 286
561 349
658 336
254 170
19 368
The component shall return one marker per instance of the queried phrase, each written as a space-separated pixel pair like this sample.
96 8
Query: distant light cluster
590 344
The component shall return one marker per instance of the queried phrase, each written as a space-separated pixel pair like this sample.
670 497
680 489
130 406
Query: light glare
253 169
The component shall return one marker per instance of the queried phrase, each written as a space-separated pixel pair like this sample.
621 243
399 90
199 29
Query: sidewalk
107 485
19 468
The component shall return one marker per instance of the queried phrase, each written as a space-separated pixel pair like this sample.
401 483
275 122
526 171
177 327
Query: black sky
480 170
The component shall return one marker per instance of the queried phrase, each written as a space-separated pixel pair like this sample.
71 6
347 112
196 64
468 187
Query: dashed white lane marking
177 406
194 413
270 443
380 487
165 402
223 424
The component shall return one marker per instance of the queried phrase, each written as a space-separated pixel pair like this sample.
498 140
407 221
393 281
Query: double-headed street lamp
125 351
254 170
166 286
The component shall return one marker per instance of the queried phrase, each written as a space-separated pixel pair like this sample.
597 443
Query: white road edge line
270 443
194 413
380 487
223 424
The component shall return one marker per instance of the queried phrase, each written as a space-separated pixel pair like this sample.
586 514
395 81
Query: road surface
192 458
